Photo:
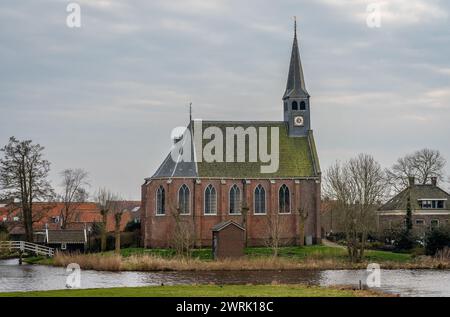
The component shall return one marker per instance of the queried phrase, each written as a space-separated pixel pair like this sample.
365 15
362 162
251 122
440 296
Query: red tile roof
85 213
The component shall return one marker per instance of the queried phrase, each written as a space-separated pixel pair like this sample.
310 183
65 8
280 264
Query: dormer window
294 105
432 204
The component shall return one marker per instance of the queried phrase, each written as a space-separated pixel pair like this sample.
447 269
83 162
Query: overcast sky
105 97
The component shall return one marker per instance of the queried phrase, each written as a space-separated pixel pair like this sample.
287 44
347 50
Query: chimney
412 181
434 181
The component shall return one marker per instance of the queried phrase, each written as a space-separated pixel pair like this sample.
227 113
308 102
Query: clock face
299 121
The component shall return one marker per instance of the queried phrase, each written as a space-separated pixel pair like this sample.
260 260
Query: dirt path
328 243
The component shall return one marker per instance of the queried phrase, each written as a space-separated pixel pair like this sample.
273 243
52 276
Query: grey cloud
105 97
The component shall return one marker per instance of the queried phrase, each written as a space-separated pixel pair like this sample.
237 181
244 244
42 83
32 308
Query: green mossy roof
298 157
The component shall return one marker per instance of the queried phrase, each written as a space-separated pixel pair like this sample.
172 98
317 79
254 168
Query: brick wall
157 229
396 221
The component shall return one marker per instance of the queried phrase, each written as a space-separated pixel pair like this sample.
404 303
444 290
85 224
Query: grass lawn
299 253
201 291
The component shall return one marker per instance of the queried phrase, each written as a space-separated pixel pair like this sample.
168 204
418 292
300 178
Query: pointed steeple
296 83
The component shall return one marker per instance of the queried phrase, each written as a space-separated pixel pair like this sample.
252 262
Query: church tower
296 98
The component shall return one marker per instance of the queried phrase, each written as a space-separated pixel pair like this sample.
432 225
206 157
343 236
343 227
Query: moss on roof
297 155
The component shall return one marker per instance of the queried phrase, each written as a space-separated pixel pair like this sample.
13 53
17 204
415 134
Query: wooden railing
27 247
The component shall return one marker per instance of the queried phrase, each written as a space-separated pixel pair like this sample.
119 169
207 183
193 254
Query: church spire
295 86
296 106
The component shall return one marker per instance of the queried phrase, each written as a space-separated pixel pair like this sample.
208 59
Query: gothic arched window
235 200
260 200
294 105
183 199
284 200
302 105
160 201
210 200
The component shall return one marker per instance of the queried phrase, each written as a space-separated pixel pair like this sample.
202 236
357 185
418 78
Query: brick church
201 193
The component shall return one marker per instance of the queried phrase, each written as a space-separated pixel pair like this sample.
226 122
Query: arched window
260 200
284 200
210 200
302 105
160 201
294 105
183 199
235 200
285 106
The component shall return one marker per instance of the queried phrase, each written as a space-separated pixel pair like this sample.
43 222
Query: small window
420 222
184 199
160 201
440 204
302 105
434 223
294 105
210 200
285 106
427 204
260 200
235 200
284 200
63 246
5 219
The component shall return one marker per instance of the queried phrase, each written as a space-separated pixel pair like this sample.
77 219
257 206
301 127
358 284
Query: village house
202 193
49 216
429 205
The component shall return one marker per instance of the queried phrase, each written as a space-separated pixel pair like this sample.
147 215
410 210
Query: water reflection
405 282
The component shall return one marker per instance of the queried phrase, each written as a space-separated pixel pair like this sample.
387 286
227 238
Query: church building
187 198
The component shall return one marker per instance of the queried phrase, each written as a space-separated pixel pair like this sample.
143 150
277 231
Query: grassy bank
204 291
289 258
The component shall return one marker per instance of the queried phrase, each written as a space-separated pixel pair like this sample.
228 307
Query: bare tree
183 235
74 183
118 207
23 176
357 186
302 213
105 199
422 164
275 232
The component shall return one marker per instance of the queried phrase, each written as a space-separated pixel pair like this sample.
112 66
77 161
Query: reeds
110 262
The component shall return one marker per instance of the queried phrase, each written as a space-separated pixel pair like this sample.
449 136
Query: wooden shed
228 240
66 240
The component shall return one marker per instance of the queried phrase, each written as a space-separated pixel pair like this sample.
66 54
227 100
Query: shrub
336 236
436 239
443 255
3 228
132 226
405 240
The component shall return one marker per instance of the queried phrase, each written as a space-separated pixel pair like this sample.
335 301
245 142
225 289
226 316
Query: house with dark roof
65 240
202 192
429 203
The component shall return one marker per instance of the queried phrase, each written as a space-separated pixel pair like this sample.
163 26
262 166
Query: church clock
299 121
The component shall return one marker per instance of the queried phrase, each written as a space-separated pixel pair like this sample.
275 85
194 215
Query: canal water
403 282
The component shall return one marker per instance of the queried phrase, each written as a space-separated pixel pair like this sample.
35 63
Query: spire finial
295 26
